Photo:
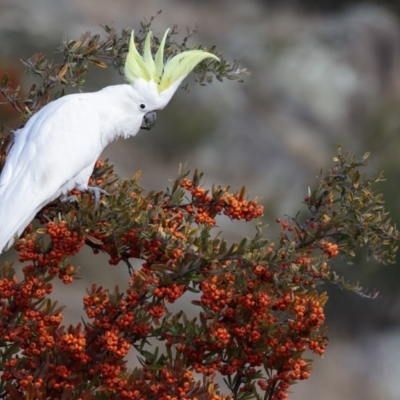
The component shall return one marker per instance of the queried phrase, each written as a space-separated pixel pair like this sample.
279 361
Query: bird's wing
48 154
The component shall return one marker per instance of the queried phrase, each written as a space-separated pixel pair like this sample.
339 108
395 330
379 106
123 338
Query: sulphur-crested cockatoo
57 149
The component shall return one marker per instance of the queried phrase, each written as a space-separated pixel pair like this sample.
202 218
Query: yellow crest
164 75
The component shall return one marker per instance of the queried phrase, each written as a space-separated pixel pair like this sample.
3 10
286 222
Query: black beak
149 120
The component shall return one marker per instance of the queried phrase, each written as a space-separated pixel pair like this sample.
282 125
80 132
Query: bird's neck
118 112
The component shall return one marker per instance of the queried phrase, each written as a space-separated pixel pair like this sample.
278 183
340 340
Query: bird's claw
97 192
69 199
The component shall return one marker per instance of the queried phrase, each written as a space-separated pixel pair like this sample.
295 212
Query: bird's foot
97 192
69 199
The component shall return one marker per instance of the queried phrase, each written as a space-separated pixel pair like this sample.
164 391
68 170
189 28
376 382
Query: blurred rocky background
323 73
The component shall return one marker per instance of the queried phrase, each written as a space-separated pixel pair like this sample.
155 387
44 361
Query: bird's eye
142 106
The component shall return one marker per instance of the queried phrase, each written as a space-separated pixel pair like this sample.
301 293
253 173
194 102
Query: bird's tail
12 225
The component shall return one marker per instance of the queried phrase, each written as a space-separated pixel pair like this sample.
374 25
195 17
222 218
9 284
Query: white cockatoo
57 149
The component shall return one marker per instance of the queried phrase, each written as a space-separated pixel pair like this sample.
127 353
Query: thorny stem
235 389
302 245
13 102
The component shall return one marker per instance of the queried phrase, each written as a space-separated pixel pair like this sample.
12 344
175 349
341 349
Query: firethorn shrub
259 304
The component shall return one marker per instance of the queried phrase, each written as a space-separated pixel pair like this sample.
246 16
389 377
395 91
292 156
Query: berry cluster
205 207
244 329
37 337
330 249
63 243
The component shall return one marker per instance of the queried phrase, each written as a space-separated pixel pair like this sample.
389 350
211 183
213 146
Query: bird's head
154 81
